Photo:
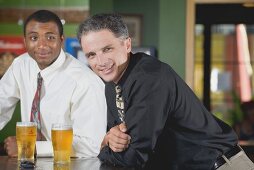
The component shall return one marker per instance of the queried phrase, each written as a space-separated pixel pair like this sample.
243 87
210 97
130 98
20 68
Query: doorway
210 20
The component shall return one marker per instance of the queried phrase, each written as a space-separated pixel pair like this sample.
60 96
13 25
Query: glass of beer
26 137
62 136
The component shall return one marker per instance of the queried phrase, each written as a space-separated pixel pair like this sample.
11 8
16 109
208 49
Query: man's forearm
128 158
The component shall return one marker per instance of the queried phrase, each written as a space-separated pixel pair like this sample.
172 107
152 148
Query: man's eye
107 49
33 38
51 37
91 56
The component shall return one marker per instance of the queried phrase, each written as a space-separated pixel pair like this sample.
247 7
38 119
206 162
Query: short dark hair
111 21
44 16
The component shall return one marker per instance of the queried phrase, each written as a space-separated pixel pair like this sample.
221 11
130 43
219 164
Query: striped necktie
120 103
35 112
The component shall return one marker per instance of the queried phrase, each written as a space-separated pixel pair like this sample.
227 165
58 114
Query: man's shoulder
75 67
151 64
23 57
146 64
79 71
150 68
22 60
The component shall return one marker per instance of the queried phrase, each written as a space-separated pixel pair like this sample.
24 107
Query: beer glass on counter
62 136
26 137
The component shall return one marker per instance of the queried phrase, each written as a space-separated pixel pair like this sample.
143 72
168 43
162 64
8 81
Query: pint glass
26 137
61 135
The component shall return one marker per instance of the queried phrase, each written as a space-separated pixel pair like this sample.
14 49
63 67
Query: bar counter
7 163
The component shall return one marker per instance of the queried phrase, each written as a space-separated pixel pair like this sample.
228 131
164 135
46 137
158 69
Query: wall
7 28
172 34
44 3
98 6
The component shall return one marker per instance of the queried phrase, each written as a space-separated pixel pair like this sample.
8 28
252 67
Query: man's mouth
108 69
43 54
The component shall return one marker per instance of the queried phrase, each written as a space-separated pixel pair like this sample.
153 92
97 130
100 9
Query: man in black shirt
155 121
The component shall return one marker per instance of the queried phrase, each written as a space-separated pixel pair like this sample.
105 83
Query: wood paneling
10 15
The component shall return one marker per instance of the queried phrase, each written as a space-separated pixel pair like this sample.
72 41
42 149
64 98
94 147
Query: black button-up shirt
169 126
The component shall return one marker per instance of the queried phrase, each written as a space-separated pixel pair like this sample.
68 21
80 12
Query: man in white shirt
70 92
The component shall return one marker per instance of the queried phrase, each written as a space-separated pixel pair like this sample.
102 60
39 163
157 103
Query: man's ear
24 40
128 44
62 40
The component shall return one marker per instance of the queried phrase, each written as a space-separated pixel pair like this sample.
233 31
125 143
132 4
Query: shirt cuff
44 149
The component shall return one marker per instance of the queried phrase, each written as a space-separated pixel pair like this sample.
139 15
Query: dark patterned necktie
35 112
120 103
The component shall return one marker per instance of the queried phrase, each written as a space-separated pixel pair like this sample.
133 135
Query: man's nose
101 60
42 42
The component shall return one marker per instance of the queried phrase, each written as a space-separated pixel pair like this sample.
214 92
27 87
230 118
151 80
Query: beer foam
26 124
61 127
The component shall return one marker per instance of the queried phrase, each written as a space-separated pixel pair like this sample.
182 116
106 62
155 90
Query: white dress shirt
71 93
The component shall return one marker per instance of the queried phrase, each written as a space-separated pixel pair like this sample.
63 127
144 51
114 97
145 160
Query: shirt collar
133 61
48 73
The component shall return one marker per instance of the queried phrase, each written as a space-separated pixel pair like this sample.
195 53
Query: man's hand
10 146
117 139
